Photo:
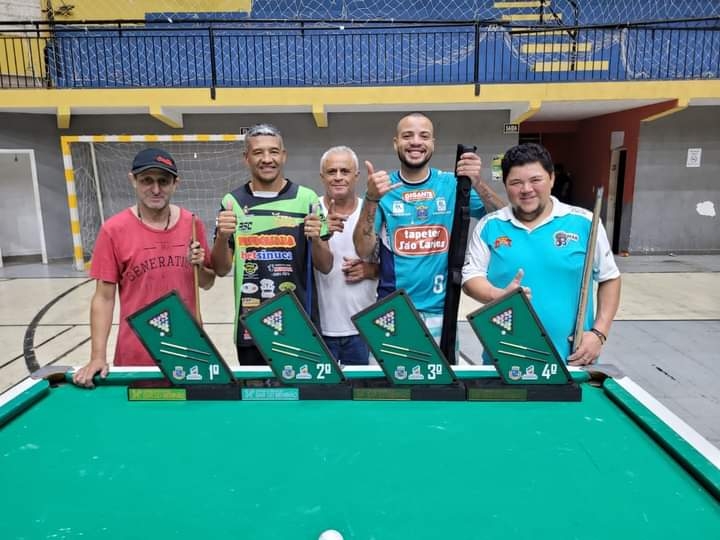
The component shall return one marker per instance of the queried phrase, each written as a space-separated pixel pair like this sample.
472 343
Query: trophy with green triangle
294 349
192 366
414 365
525 358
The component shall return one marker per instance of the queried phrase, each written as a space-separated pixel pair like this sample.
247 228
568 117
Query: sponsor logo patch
250 302
421 240
503 241
267 256
285 221
267 288
266 241
418 195
287 286
249 288
280 268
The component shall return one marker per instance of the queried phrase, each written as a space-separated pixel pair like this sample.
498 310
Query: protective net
585 11
589 11
208 170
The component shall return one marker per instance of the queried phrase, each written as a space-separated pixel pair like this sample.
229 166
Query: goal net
96 173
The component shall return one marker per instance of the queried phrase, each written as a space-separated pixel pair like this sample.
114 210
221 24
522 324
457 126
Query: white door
20 213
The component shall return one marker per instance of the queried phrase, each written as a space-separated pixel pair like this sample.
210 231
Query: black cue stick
456 259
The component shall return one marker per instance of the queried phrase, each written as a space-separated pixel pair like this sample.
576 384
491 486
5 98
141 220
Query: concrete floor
666 336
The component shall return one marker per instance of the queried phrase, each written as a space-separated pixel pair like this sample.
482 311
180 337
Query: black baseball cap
154 158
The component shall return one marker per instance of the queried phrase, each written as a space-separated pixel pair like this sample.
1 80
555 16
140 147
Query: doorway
616 187
20 211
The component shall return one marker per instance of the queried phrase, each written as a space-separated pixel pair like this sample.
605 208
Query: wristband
368 199
602 337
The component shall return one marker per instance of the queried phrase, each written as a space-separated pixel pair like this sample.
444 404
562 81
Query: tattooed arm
364 236
470 166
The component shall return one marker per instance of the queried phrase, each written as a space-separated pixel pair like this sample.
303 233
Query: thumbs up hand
335 221
313 223
515 284
226 221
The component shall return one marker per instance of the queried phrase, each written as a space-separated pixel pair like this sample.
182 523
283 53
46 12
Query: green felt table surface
90 464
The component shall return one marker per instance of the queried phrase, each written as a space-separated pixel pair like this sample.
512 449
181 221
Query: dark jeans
348 350
250 356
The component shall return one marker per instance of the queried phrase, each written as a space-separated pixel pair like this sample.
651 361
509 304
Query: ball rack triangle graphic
386 321
161 322
275 321
504 320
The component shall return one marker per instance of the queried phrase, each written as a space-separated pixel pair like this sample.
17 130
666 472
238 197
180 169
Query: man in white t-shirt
351 285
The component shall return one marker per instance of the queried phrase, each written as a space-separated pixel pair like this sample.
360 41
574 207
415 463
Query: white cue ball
330 534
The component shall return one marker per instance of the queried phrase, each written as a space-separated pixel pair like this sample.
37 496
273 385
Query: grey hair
339 150
260 130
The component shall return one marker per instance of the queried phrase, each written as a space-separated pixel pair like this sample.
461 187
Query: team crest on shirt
561 238
422 212
503 241
398 208
440 204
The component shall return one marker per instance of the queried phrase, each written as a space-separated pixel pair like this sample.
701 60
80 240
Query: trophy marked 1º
184 353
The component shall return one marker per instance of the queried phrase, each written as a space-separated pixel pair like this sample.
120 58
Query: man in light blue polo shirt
539 243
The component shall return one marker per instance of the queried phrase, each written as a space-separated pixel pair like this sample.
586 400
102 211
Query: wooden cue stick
196 275
587 271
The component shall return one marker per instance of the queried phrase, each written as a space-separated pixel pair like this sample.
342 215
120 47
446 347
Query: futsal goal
96 178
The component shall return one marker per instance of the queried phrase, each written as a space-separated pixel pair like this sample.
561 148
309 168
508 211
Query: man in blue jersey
410 212
539 243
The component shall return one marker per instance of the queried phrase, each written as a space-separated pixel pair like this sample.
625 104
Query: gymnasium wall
128 9
20 10
666 216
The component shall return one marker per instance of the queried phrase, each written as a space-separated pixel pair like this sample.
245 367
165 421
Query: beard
414 166
527 217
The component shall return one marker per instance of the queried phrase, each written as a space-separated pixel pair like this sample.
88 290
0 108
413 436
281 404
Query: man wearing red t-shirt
144 252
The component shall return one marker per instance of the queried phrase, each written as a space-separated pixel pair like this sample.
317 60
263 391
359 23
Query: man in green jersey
272 230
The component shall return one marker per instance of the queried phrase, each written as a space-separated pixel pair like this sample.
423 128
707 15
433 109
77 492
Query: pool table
90 464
